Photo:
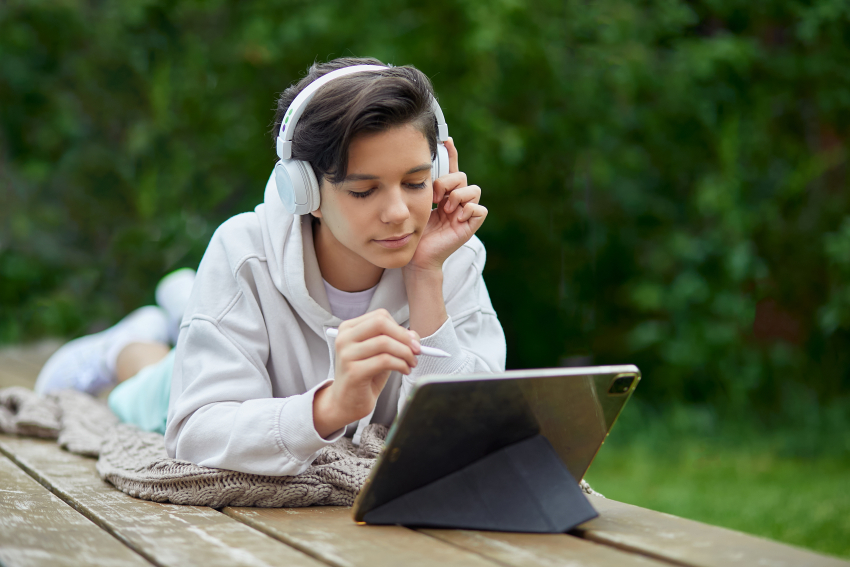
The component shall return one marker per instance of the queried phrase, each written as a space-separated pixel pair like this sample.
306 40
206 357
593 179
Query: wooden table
55 510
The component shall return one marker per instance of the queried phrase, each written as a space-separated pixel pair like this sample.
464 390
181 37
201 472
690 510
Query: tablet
451 422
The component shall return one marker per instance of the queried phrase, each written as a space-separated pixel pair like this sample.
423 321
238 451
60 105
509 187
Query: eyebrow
366 176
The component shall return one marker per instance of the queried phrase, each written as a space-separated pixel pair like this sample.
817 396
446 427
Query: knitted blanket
135 461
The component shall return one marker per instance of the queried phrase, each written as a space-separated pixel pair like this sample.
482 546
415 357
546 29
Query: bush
666 180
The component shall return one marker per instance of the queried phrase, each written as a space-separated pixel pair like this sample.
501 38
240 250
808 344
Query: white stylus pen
427 351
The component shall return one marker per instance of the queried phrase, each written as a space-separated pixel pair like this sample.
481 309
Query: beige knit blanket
135 461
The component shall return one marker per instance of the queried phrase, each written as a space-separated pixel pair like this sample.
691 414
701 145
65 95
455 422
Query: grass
788 484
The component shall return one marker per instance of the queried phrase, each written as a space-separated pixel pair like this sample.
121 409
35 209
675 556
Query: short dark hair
360 103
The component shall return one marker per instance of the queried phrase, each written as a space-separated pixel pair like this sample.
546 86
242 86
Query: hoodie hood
294 269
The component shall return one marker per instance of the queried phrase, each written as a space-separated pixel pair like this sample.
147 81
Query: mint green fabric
143 399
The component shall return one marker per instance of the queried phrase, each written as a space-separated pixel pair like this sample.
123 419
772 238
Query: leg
136 356
143 399
88 364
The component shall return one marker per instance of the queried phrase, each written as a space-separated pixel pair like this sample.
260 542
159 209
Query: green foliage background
667 180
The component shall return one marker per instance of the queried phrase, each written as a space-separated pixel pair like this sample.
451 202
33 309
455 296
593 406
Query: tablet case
496 452
523 487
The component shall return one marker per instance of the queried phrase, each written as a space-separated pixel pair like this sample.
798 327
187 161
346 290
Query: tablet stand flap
523 487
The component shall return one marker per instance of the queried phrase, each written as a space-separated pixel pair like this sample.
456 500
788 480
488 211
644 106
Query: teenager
258 385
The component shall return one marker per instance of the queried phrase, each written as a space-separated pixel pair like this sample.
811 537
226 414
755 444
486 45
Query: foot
87 364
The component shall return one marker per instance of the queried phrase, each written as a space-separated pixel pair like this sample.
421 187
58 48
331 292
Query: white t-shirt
348 304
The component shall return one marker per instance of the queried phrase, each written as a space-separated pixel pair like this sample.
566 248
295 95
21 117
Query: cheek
354 223
334 219
421 206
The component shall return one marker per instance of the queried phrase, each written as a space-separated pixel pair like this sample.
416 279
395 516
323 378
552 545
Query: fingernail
417 346
412 335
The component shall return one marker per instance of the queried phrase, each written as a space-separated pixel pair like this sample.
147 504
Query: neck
342 268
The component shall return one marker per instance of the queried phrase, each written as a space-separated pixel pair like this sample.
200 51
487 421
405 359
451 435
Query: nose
395 209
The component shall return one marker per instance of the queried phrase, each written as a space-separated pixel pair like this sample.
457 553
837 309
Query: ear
317 213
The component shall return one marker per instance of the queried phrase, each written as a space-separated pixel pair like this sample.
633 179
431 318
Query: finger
378 345
439 192
380 363
351 324
452 149
416 346
374 323
477 215
447 184
462 196
470 211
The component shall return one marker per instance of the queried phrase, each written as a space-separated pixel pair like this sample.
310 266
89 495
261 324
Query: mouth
395 241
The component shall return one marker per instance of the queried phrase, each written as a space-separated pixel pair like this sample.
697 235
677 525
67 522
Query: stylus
427 351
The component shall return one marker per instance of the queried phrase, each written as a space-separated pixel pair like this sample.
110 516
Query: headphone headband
296 109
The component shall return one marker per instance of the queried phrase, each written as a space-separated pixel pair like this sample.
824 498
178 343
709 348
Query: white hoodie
252 349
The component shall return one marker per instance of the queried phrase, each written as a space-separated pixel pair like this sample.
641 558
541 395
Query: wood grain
166 534
20 364
541 550
330 534
686 542
37 528
16 373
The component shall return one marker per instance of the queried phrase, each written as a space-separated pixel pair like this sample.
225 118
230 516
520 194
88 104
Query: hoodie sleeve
226 417
222 410
472 333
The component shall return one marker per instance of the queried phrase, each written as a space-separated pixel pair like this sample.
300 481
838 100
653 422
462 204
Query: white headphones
295 179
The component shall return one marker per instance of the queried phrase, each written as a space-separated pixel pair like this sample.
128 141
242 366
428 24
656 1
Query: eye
417 185
361 194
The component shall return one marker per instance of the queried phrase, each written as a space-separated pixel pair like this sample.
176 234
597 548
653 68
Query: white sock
172 294
88 363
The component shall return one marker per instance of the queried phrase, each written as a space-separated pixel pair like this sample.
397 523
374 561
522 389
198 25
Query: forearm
425 297
270 436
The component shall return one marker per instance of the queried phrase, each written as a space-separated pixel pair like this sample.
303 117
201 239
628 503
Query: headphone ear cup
311 187
440 165
297 186
284 186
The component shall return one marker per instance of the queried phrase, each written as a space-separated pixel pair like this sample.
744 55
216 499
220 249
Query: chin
398 261
393 259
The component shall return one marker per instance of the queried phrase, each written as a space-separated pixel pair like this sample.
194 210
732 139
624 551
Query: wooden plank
37 528
20 364
166 534
541 550
33 355
10 378
686 542
330 534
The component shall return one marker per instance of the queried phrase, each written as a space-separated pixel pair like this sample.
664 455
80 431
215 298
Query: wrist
425 296
422 276
327 417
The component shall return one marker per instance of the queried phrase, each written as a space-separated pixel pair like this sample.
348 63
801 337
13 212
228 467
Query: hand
367 348
456 218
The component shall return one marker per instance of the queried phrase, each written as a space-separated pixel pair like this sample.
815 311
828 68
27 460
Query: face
379 211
